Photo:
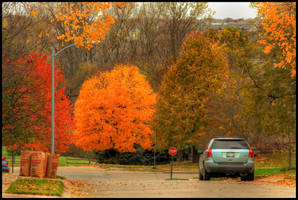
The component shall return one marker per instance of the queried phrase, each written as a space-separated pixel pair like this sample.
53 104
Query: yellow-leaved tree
181 108
114 110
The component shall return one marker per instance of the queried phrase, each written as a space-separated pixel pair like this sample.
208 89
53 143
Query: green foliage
270 97
276 99
259 100
140 157
75 151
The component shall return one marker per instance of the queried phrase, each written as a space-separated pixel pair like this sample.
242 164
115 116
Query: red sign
172 151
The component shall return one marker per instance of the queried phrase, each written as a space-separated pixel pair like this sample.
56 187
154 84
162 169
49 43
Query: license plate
230 155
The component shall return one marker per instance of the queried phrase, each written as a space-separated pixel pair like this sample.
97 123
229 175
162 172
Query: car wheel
251 176
201 176
206 176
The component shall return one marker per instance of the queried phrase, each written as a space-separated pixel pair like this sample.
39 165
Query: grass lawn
61 177
271 171
36 186
72 161
290 177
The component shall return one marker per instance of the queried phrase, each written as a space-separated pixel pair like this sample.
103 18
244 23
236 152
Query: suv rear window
229 144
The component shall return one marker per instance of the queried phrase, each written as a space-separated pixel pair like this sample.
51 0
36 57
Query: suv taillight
209 153
5 164
251 154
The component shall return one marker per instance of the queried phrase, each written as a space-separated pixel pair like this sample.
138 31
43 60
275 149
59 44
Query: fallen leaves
288 180
273 179
79 188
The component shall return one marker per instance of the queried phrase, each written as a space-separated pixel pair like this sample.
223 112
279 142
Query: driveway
99 182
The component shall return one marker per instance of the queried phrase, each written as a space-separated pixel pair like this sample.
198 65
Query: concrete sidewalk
6 195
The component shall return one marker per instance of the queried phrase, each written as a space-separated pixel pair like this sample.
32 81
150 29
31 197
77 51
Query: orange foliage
114 110
85 21
279 23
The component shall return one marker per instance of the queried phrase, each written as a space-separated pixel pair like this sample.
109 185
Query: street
99 182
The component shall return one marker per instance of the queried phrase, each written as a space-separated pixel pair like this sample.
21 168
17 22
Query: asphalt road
99 182
121 183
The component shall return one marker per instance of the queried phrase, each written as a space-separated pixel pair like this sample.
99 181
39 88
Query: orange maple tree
279 24
114 110
85 22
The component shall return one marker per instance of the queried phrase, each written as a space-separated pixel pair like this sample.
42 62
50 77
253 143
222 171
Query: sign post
172 152
12 159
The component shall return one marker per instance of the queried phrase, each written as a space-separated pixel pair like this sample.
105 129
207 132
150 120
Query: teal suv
227 157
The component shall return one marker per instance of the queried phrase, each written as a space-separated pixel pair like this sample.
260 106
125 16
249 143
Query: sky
232 10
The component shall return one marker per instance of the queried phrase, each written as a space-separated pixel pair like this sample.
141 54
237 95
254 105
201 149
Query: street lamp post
53 94
154 165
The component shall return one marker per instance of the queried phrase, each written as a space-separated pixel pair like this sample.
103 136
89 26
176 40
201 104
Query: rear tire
201 176
249 177
206 176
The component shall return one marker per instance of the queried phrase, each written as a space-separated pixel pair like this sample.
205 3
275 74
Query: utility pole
53 102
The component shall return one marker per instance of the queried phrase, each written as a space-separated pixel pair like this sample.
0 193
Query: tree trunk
180 155
290 153
195 157
117 157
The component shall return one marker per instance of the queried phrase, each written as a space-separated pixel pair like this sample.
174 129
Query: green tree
271 97
227 110
259 100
